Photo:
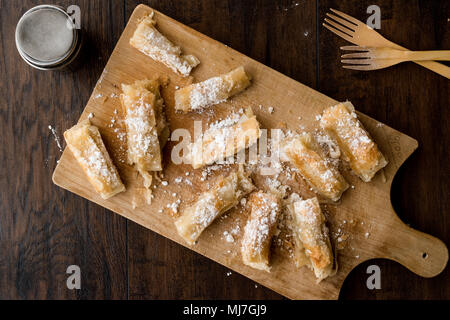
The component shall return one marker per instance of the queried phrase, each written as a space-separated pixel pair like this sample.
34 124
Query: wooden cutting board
364 222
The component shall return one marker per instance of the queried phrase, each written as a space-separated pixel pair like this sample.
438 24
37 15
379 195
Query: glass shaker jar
47 38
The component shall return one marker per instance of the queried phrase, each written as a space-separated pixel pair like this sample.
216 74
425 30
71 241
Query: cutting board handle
421 253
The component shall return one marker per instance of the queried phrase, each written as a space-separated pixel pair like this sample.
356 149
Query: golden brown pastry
152 43
139 108
162 126
224 139
261 226
311 236
305 154
357 148
211 92
224 195
86 144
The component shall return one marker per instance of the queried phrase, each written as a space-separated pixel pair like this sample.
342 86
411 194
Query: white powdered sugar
263 217
95 162
228 237
151 42
142 136
206 210
57 139
174 206
311 222
208 93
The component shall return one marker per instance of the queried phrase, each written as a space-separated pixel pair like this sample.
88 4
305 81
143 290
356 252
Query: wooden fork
369 58
360 34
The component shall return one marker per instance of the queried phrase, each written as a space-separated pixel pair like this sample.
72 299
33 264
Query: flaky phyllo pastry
311 236
162 126
86 144
357 148
212 91
261 226
151 42
146 127
305 154
224 139
224 195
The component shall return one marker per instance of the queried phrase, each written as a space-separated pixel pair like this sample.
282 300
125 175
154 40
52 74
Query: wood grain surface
43 229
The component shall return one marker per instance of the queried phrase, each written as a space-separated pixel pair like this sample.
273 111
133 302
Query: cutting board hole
424 255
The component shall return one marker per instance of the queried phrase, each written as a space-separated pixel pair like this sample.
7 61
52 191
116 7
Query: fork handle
437 67
434 66
442 55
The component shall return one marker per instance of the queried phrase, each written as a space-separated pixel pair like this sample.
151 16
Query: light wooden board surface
365 214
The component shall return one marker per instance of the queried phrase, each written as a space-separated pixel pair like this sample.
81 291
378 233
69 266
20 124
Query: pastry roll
261 225
224 139
311 236
144 150
211 92
358 149
224 195
305 154
162 126
152 43
86 144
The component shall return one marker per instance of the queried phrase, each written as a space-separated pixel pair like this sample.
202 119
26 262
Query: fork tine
339 33
357 61
354 48
359 67
339 27
347 17
345 23
357 55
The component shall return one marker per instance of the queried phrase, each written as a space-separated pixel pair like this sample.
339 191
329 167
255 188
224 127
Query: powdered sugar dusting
208 93
262 220
151 42
57 139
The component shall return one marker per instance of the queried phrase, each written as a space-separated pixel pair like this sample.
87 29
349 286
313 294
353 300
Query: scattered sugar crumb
174 206
165 183
235 231
57 139
228 237
367 235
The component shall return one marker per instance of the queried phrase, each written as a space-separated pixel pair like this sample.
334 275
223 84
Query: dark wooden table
44 229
